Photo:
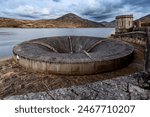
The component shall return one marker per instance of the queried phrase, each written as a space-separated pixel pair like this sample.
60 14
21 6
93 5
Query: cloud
27 12
98 10
107 10
56 0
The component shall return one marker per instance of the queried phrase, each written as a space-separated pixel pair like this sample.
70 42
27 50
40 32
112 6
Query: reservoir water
9 37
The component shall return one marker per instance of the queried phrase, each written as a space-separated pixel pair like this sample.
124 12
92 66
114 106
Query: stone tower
123 23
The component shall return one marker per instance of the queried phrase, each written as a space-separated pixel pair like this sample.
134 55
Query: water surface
9 37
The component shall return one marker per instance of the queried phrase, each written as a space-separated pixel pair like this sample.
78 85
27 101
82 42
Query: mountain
145 18
145 21
109 24
72 20
66 21
8 22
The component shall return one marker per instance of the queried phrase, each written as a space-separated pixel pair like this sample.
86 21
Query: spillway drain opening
73 55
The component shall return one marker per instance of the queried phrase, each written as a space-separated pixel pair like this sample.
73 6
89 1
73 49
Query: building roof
124 16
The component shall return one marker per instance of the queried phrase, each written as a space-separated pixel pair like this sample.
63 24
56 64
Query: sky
96 10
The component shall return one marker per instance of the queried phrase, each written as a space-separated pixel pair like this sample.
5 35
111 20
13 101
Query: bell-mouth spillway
73 55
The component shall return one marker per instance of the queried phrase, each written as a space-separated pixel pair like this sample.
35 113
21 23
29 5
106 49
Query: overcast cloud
97 10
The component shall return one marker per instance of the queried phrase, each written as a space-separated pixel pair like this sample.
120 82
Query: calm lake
9 37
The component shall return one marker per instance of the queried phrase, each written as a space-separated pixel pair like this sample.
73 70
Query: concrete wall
82 68
140 36
133 37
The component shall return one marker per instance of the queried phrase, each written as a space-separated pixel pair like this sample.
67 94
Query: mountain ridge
69 20
145 20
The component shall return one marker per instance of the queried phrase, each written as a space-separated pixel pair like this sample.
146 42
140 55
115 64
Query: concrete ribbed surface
73 55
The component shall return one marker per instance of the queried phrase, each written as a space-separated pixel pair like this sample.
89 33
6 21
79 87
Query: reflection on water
6 33
9 37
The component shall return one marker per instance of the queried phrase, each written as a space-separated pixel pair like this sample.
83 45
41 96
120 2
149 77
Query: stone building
137 24
124 23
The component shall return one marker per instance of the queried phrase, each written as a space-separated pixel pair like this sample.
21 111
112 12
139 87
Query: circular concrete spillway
73 55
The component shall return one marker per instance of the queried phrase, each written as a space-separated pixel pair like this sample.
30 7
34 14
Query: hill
72 20
145 21
145 18
67 21
109 24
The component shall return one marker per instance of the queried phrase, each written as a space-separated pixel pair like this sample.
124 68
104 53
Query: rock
84 93
107 91
74 92
17 97
39 96
8 74
4 68
137 93
62 94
